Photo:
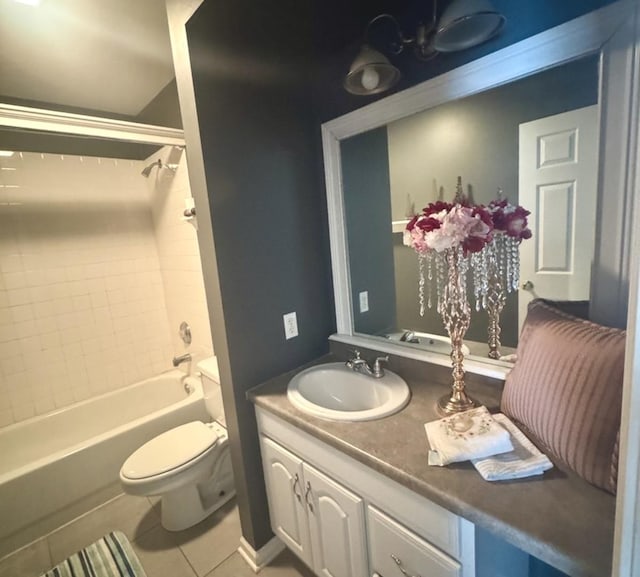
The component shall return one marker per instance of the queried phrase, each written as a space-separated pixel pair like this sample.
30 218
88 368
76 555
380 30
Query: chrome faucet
360 365
186 358
409 337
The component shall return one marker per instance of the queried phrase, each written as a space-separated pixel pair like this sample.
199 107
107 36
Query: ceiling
103 55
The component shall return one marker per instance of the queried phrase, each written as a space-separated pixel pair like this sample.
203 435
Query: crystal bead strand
475 265
516 264
421 259
441 280
430 279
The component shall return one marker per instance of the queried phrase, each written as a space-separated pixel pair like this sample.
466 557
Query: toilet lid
169 450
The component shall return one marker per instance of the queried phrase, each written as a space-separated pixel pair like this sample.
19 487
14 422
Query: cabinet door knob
295 483
308 494
398 562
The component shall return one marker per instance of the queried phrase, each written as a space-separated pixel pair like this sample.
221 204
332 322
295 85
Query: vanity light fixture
464 24
6 153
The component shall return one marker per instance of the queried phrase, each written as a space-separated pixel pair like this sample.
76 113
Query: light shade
467 23
370 73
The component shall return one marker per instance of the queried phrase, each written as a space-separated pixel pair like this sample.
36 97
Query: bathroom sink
336 392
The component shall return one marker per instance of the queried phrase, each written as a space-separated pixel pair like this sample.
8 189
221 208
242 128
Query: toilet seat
171 450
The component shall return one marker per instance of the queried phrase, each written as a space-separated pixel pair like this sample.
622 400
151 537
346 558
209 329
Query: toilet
189 466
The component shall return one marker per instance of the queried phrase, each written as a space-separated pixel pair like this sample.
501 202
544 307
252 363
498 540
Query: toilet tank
211 388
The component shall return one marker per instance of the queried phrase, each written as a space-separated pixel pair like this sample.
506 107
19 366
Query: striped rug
111 556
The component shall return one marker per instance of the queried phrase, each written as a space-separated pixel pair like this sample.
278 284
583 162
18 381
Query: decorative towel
111 556
524 461
469 435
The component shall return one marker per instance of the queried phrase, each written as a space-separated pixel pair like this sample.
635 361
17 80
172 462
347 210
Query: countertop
558 517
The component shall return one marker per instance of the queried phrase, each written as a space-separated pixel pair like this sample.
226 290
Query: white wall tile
77 255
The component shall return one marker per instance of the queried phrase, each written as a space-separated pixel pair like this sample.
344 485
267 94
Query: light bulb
370 78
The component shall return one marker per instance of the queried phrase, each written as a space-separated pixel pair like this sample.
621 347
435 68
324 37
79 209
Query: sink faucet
181 359
360 365
409 337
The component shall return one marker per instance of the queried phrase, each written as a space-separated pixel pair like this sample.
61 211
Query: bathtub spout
181 359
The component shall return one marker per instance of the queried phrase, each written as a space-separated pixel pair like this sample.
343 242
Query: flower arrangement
456 239
511 227
444 225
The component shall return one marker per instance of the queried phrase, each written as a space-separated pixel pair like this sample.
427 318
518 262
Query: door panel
336 523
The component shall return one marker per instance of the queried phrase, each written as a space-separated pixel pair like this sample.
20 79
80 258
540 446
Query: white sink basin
333 391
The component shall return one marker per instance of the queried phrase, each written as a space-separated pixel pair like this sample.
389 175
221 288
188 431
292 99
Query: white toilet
188 466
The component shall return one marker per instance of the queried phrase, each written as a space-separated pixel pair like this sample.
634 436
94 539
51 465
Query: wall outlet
290 325
364 301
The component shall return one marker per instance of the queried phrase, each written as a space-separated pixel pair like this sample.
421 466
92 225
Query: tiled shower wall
177 242
82 304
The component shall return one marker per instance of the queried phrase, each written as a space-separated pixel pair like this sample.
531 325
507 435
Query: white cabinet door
284 483
336 522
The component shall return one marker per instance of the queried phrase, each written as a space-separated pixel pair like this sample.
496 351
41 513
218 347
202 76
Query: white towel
473 434
524 461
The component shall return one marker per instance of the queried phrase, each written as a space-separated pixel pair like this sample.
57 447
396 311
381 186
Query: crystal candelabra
451 240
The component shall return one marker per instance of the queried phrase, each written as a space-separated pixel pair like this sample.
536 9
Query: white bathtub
59 465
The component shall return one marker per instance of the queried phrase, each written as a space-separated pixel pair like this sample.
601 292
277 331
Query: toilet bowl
188 466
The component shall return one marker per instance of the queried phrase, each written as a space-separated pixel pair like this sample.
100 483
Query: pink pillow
566 390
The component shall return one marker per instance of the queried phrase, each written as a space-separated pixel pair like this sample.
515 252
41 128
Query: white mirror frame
585 35
614 32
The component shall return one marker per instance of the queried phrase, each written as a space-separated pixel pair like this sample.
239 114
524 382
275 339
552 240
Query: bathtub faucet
181 359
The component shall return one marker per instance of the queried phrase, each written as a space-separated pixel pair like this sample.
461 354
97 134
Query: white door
287 509
558 174
336 522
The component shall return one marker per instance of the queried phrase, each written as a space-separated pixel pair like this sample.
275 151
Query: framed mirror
486 122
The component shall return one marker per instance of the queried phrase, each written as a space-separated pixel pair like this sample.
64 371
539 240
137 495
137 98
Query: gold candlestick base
451 404
456 316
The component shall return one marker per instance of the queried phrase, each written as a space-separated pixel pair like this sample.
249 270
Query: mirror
391 172
366 251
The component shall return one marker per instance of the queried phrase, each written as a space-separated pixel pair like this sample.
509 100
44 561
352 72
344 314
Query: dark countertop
558 518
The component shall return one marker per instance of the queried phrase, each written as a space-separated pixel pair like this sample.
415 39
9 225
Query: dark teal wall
367 205
261 152
265 76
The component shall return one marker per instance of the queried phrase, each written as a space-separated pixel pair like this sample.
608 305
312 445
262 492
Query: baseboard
263 556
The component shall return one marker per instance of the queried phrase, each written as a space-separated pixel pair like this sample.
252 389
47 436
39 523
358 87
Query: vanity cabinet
317 518
344 519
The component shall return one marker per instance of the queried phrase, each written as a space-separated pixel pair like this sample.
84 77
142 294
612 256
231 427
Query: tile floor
207 550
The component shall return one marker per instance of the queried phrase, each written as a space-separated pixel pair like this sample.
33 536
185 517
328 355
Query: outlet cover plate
364 301
290 325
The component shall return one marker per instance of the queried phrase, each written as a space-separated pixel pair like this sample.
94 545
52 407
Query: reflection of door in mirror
419 158
558 184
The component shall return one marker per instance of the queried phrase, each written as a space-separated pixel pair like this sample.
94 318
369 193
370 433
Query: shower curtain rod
65 123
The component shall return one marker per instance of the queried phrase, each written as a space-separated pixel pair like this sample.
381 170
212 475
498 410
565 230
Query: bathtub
59 465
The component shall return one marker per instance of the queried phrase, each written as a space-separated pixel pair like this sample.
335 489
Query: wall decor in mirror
526 121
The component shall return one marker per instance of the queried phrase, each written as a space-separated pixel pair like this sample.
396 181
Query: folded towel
524 461
470 435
